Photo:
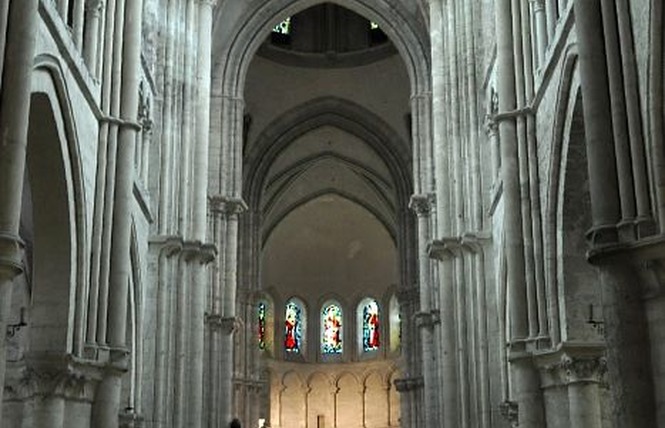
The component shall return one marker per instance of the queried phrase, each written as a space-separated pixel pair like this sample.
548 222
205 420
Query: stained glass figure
371 327
293 327
261 315
331 329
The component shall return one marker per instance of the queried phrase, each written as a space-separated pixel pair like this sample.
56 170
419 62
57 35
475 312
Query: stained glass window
293 327
261 318
283 27
395 325
371 326
331 329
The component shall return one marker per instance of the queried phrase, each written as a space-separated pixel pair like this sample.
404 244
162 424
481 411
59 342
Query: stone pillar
204 255
540 18
93 10
626 330
421 205
14 113
226 210
599 141
164 248
526 390
108 405
4 17
408 388
584 401
203 76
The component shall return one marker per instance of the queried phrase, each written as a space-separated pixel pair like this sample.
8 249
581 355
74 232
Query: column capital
94 6
473 241
166 245
572 363
227 325
427 319
584 369
227 205
11 251
199 251
422 204
538 5
408 384
445 248
55 375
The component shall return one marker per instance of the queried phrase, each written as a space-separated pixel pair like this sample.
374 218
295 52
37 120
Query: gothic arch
55 176
236 44
569 94
343 114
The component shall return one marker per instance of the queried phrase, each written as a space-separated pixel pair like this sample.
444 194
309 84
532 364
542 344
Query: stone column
4 17
94 10
165 248
526 388
228 210
583 398
408 388
540 18
204 255
14 113
626 327
421 205
108 404
599 141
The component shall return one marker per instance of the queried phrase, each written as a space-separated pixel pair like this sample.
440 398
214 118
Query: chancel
332 214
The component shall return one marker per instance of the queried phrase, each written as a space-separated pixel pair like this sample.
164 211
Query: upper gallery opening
327 35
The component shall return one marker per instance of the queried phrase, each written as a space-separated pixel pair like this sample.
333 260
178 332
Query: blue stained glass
371 327
293 327
331 329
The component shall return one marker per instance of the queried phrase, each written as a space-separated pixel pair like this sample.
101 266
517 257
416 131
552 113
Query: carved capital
422 204
538 5
227 206
94 6
427 319
408 384
48 376
11 251
474 241
227 325
445 248
584 369
166 246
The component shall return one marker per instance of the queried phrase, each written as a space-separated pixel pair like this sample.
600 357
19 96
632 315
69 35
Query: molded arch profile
327 111
58 210
234 45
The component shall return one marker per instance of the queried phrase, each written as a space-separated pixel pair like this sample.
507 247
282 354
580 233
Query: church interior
332 214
